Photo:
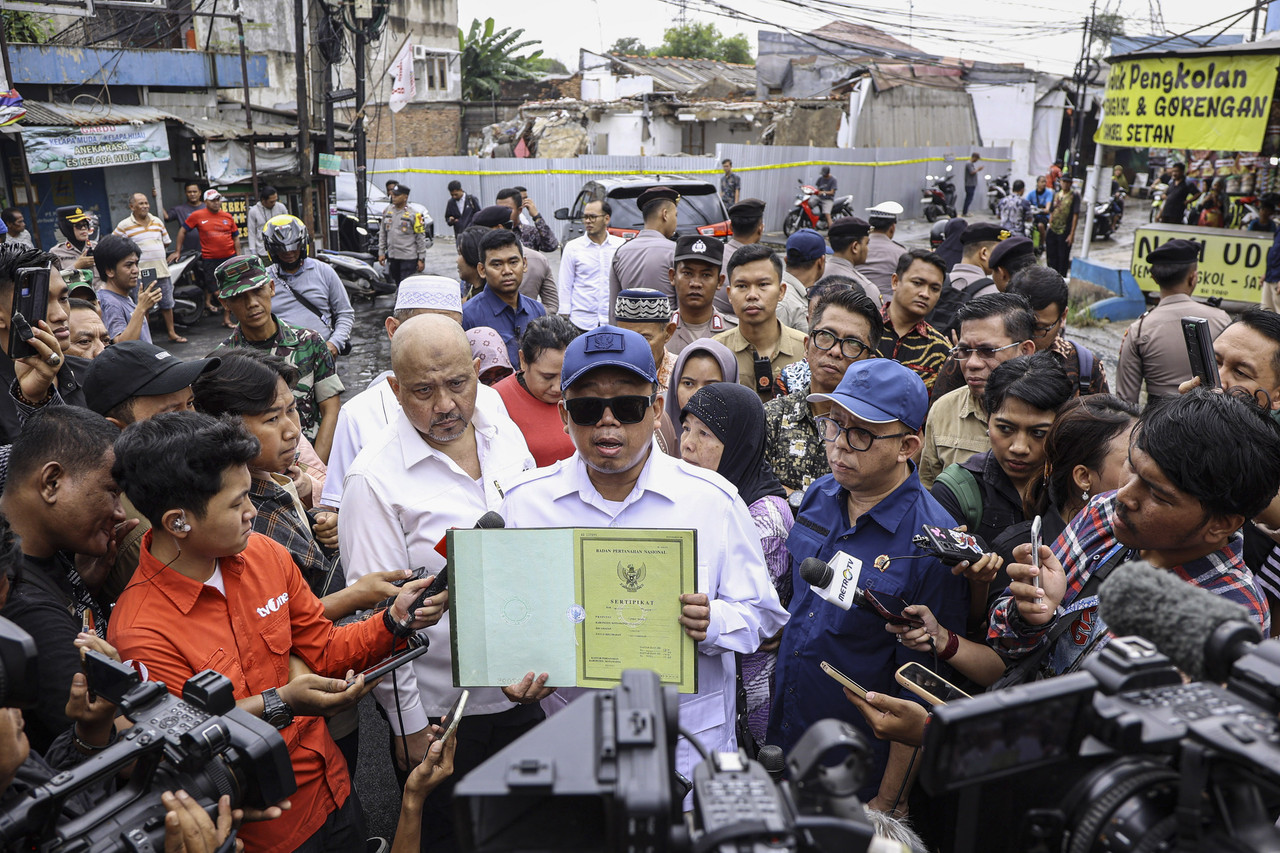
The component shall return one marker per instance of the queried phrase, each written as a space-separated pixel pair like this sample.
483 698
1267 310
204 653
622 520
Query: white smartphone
844 679
928 685
1035 555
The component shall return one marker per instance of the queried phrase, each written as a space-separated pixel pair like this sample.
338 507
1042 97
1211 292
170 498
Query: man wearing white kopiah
440 463
616 479
368 413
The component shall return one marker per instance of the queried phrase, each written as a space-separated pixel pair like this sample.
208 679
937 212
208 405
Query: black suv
700 210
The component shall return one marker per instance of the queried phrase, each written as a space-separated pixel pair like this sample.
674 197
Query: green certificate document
581 604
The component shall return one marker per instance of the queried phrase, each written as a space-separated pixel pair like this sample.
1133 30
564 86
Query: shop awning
46 113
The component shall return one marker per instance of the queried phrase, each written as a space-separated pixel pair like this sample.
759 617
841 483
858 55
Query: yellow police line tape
796 164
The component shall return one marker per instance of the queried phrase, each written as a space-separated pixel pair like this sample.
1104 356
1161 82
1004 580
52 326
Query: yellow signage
1232 263
1218 102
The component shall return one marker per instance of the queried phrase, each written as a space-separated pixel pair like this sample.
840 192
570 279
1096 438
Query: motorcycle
1158 192
940 198
803 213
359 276
1107 214
188 295
997 189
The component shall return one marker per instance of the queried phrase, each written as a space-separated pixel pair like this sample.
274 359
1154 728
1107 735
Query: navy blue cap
608 346
880 391
806 245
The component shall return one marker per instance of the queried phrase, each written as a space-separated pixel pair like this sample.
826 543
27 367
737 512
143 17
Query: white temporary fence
770 173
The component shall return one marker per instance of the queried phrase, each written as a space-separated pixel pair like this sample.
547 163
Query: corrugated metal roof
45 113
684 75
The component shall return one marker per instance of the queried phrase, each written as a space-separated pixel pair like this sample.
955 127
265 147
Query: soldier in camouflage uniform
245 288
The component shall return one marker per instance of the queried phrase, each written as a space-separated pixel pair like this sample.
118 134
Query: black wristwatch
274 709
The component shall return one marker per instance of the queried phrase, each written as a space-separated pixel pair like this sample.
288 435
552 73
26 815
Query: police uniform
855 228
1153 349
709 251
748 208
883 253
645 259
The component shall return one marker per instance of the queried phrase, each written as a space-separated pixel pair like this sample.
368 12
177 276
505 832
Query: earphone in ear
180 525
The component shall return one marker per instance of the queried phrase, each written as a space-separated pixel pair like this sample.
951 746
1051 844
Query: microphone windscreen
1159 606
816 572
771 758
491 521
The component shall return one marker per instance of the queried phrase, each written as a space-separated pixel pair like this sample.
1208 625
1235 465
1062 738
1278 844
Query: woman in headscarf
700 363
487 345
723 431
951 250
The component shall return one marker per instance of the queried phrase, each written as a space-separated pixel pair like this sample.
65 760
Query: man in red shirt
210 593
219 240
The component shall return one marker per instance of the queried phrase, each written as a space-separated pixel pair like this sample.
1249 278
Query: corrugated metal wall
871 175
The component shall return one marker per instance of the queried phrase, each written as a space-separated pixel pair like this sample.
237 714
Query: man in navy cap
868 508
696 278
616 479
850 238
1009 258
979 239
806 263
1153 349
645 261
882 251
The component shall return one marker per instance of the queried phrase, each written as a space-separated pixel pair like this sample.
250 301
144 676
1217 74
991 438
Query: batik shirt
306 350
791 441
921 348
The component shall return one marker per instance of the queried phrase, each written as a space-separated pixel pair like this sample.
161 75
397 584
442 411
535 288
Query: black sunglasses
628 409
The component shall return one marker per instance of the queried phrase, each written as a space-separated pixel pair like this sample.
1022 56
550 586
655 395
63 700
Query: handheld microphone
836 581
1201 633
489 521
772 760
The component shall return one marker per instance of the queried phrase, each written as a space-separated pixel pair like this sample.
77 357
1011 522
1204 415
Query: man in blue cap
867 508
806 263
616 479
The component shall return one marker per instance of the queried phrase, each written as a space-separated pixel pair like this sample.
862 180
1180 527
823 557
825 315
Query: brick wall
421 130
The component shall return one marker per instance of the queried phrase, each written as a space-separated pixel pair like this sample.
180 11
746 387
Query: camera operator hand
188 827
316 696
529 689
14 747
427 615
1036 605
891 718
695 614
94 720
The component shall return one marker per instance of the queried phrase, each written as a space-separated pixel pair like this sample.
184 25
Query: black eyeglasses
627 409
858 438
824 340
1043 329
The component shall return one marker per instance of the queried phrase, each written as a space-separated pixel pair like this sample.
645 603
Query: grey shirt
721 301
539 282
643 261
402 235
882 262
319 284
257 219
1153 349
837 265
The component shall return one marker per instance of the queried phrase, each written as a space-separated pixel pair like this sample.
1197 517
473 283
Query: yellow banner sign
1232 263
1218 102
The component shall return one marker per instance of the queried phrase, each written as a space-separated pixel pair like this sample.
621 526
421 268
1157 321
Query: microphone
772 760
836 581
1201 633
489 521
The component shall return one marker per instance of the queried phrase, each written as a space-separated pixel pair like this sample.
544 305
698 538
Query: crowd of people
230 512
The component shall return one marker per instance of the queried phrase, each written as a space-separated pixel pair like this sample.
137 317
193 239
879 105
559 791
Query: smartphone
1195 333
30 304
890 608
928 685
439 585
395 661
1035 553
452 717
951 547
839 676
146 278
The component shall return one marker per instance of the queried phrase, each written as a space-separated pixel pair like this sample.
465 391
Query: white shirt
366 414
402 495
584 280
671 493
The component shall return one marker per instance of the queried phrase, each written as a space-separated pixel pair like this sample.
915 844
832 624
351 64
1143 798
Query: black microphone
489 521
1202 633
772 760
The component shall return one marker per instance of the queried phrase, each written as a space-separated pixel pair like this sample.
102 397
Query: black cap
1175 252
983 232
853 227
1016 246
747 209
492 216
653 194
692 247
138 369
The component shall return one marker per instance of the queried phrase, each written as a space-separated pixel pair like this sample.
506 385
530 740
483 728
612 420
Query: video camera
1121 753
200 743
599 776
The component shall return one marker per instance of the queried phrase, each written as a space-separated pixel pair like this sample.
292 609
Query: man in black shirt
1180 192
61 500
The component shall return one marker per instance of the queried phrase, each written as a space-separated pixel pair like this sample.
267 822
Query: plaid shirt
922 348
278 519
306 350
1085 545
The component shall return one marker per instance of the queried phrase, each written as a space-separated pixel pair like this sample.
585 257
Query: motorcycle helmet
937 235
286 233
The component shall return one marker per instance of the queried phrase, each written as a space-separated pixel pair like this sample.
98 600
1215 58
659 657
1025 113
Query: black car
699 211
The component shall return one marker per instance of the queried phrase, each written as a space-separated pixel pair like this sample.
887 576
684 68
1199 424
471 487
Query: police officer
646 259
850 240
1153 348
746 224
402 239
882 251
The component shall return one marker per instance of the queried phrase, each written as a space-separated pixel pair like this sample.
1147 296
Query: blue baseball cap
880 391
806 245
608 346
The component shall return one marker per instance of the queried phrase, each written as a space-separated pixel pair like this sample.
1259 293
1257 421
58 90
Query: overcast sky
1045 34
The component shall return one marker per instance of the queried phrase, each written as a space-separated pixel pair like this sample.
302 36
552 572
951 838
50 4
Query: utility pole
363 14
304 121
1082 77
248 110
